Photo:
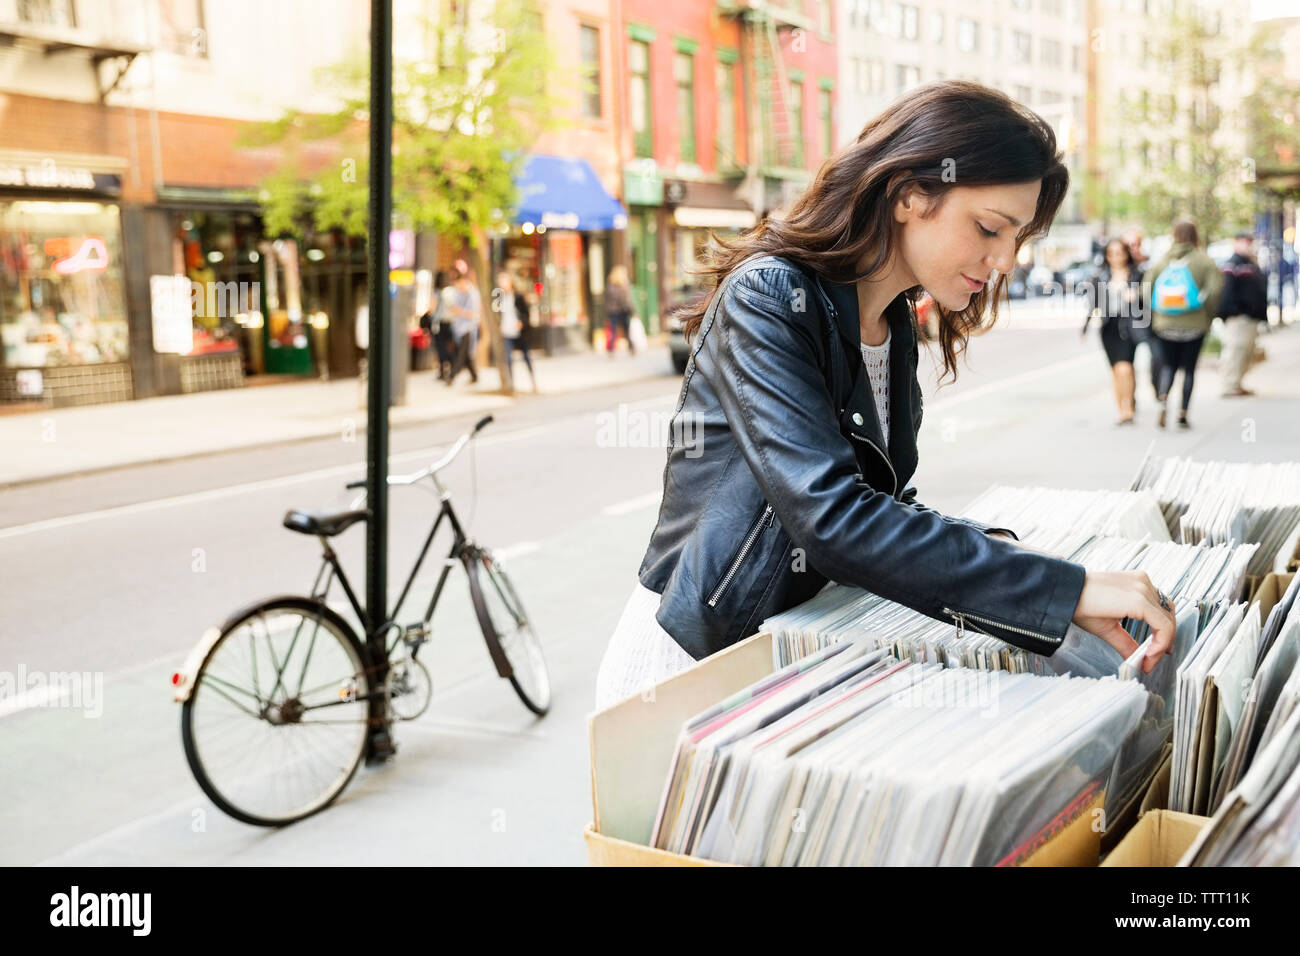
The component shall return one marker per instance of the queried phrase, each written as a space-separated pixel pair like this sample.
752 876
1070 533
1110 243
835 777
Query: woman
1180 315
1116 294
514 323
618 307
799 471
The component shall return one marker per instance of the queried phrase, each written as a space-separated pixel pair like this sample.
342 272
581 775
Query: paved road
117 574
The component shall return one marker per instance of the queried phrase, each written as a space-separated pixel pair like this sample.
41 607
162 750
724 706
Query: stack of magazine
1033 511
1235 688
1219 501
852 757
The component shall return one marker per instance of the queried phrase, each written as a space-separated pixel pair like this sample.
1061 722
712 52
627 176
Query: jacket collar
902 452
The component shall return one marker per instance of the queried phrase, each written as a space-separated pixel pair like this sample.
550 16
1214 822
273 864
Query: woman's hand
1110 596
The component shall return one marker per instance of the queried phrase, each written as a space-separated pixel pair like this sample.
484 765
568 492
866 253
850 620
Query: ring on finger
1164 601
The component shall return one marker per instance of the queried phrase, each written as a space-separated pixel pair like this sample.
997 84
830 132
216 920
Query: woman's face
1116 255
953 253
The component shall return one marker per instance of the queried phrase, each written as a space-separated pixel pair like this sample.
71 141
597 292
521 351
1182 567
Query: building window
908 21
1022 45
796 120
684 73
62 291
1076 59
590 43
181 27
968 35
936 26
1024 94
638 64
824 119
54 13
824 17
906 77
1051 52
995 41
726 142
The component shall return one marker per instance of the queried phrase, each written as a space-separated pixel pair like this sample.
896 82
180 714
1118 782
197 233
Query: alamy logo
102 909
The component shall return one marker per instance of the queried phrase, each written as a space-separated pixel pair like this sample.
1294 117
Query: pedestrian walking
1116 295
1243 306
1182 290
437 322
805 384
465 306
618 309
516 328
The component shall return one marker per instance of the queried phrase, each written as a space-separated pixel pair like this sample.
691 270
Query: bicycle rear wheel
276 724
504 622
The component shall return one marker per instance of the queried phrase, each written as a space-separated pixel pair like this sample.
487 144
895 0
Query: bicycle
273 756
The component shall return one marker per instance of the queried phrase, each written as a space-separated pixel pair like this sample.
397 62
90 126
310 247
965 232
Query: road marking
515 550
36 697
980 391
633 504
215 494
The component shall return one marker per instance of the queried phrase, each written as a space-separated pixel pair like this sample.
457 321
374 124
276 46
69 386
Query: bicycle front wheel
504 622
276 724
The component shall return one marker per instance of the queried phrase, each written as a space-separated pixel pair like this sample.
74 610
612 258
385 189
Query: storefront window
218 252
563 278
62 298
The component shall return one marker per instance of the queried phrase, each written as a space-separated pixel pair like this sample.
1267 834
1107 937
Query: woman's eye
986 232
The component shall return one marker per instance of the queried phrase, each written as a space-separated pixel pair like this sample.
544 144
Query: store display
852 757
1219 501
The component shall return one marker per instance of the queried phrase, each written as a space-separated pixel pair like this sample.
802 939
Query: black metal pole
380 745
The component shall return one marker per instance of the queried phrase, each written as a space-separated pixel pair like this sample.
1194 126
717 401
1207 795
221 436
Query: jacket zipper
764 519
889 464
961 624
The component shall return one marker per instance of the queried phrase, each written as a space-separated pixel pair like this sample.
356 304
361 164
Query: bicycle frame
330 563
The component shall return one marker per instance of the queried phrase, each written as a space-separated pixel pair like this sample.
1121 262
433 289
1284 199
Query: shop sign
560 220
173 324
46 175
30 382
674 191
643 184
91 254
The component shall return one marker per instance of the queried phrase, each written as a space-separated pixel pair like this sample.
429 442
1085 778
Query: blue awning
564 192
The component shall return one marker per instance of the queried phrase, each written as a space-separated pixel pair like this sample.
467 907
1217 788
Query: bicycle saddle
327 524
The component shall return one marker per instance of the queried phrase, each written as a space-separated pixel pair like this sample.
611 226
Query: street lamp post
379 742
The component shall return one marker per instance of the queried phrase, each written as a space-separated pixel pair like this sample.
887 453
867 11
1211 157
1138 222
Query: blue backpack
1175 291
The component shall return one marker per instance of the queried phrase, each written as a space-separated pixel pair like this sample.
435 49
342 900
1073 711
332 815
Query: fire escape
774 154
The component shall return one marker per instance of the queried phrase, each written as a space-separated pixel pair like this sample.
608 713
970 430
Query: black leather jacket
777 480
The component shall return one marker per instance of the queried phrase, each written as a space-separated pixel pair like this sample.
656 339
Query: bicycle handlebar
437 465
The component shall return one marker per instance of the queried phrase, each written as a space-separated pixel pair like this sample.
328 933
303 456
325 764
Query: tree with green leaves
463 119
1189 137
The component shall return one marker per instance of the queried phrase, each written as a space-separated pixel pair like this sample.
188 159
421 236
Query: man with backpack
1183 289
1243 306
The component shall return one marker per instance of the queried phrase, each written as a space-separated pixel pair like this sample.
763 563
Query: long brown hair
937 136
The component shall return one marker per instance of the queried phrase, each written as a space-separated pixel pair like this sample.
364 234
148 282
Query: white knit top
876 359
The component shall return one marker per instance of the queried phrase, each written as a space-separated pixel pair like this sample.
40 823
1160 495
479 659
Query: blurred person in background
1116 295
1182 290
515 325
465 306
1243 306
618 308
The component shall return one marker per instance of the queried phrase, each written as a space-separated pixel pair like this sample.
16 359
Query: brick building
729 108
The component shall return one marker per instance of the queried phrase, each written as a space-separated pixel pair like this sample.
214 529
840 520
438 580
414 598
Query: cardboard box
1269 591
1160 838
632 746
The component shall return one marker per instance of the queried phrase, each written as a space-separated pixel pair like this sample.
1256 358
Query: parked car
677 346
1043 281
1078 275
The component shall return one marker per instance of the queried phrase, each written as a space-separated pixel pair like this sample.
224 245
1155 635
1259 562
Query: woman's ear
906 206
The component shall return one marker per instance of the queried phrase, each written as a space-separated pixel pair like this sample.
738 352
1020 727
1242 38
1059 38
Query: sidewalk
67 441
